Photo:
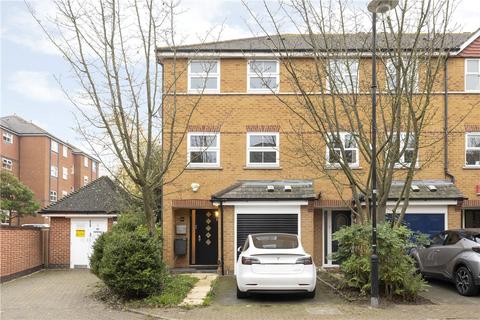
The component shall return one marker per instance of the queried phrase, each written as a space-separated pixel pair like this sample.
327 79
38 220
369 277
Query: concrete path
444 292
198 293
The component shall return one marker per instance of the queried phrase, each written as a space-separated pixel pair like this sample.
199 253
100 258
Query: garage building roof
427 190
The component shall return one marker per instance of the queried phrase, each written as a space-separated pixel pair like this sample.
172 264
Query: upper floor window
53 171
263 149
94 166
472 149
472 75
407 150
343 76
7 137
85 162
396 74
263 75
53 196
85 180
203 149
65 173
7 164
65 151
54 146
346 141
204 76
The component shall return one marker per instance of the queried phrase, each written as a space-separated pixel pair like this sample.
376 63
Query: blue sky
30 65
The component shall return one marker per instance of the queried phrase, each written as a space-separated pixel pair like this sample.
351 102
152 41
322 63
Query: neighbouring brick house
78 219
245 182
50 167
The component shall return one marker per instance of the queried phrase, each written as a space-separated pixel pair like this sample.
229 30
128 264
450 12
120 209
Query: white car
274 263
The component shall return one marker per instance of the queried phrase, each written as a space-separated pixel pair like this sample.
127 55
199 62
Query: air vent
415 188
270 188
432 188
287 188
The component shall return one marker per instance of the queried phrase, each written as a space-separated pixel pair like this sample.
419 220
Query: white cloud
37 86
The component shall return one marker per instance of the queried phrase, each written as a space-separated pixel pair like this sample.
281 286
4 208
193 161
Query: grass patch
211 294
176 288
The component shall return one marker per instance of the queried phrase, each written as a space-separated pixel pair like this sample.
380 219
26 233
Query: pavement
201 289
66 294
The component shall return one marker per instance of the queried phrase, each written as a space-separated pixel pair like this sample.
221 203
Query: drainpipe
445 123
159 61
221 238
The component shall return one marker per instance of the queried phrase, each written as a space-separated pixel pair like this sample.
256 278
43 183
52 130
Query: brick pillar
59 243
307 228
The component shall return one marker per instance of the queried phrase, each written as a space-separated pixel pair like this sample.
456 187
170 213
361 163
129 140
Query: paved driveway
56 294
443 292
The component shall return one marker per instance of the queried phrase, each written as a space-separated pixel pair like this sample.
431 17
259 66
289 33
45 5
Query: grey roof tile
257 190
302 42
101 196
444 190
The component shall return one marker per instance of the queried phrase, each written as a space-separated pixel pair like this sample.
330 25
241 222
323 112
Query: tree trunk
148 208
381 212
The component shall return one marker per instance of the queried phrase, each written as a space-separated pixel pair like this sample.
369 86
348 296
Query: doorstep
201 289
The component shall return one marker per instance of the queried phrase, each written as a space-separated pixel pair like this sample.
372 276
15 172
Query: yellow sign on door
80 233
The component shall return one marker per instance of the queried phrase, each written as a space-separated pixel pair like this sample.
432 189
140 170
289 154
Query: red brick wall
21 251
59 243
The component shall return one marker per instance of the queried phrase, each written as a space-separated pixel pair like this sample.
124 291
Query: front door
206 237
83 234
339 219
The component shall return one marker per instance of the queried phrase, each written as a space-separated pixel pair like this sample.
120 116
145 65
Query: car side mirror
239 249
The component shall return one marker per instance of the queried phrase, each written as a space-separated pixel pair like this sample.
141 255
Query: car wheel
241 294
311 295
464 282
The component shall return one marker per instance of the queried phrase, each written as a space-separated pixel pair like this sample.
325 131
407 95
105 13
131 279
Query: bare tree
332 105
110 47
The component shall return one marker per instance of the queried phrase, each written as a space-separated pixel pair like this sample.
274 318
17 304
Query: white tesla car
274 263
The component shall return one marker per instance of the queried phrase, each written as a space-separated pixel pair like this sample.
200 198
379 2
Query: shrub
396 268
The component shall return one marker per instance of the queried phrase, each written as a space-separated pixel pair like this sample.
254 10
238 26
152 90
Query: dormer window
203 76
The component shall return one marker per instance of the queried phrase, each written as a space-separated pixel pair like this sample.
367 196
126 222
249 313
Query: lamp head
381 6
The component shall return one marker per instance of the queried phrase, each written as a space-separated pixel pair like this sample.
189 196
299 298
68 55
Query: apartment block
49 166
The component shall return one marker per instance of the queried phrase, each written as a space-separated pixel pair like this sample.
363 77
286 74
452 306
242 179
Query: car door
446 253
427 255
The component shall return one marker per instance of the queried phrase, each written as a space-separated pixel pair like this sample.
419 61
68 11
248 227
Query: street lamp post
375 6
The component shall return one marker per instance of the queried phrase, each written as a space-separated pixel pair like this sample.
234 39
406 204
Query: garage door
431 223
265 223
83 234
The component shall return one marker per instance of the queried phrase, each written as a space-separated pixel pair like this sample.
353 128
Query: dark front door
339 219
206 237
472 218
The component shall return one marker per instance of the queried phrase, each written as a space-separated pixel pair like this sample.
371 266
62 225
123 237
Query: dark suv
453 255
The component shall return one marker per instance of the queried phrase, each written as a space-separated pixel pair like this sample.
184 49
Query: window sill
262 168
471 167
340 168
203 168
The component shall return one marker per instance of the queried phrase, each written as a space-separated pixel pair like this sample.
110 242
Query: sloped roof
101 196
302 42
257 190
444 190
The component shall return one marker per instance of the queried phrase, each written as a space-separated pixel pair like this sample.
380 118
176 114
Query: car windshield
474 237
275 241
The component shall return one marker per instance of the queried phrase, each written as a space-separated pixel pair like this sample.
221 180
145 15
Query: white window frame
53 196
85 180
64 193
342 135
65 151
54 171
401 162
467 134
54 146
65 173
389 63
471 73
203 149
85 161
333 68
204 75
7 137
263 149
7 164
275 75
94 166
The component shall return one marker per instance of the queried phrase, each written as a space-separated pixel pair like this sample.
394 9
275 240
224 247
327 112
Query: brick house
79 218
246 182
49 166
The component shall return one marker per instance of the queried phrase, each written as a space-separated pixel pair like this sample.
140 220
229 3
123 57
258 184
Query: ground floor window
472 218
